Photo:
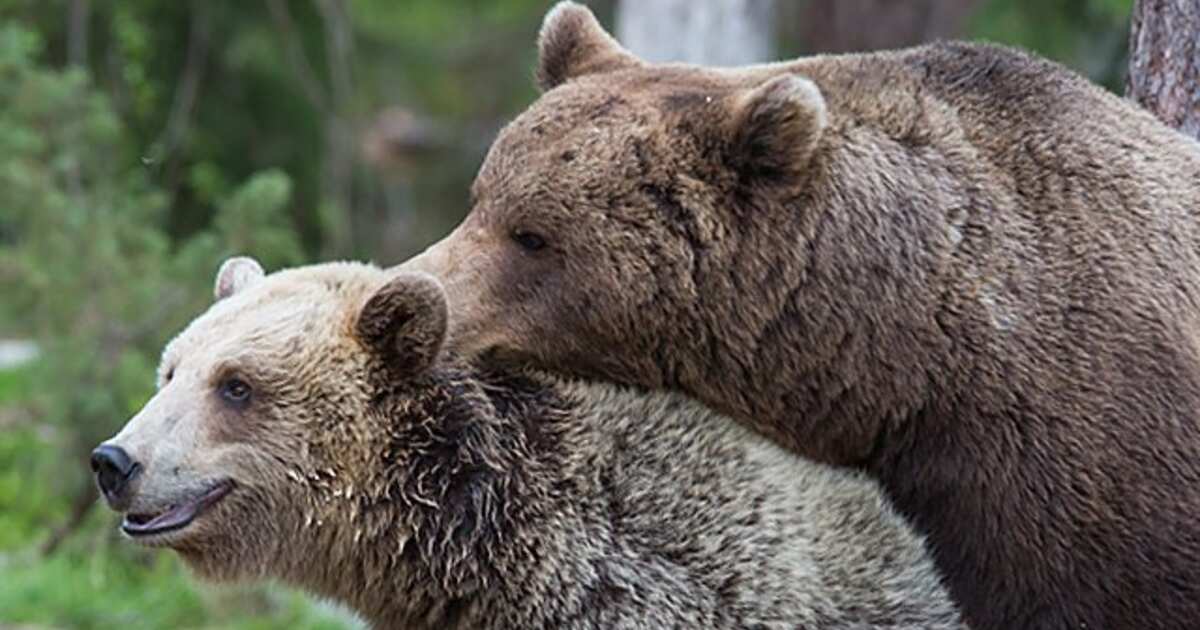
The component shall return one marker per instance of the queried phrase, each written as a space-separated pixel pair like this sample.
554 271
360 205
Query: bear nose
114 469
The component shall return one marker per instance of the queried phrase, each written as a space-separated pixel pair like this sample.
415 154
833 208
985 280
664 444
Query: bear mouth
177 516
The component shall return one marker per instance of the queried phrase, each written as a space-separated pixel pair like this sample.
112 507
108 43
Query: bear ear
776 127
405 322
236 274
572 43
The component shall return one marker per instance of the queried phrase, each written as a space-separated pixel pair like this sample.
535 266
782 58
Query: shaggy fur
426 493
960 268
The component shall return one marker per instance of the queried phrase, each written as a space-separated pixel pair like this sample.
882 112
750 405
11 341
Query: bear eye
529 241
235 391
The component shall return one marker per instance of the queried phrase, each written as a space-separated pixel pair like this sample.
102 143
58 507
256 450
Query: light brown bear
306 428
962 269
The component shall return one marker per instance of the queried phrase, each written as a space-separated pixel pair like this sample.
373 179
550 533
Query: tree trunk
1164 61
334 103
78 15
187 93
340 129
708 32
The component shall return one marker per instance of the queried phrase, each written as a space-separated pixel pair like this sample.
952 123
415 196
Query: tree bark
1164 61
711 32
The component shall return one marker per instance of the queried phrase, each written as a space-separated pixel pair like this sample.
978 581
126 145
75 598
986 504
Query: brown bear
308 428
958 267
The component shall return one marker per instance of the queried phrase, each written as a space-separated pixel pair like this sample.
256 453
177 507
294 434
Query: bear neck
473 502
821 325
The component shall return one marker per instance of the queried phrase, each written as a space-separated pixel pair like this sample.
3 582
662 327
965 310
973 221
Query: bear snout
115 471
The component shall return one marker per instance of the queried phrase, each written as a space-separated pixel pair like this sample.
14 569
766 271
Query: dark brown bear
960 268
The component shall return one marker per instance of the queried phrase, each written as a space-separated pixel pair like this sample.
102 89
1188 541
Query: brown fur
958 267
428 493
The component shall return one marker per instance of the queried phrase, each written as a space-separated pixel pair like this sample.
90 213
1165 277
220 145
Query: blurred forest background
142 141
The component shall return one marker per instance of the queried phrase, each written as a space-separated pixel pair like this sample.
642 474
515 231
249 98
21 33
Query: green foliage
1087 35
254 109
251 220
96 277
99 590
104 588
27 500
90 273
14 384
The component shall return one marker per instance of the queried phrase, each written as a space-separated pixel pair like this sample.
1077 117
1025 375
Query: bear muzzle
115 472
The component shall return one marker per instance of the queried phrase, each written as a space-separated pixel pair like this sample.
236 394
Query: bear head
608 217
263 451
